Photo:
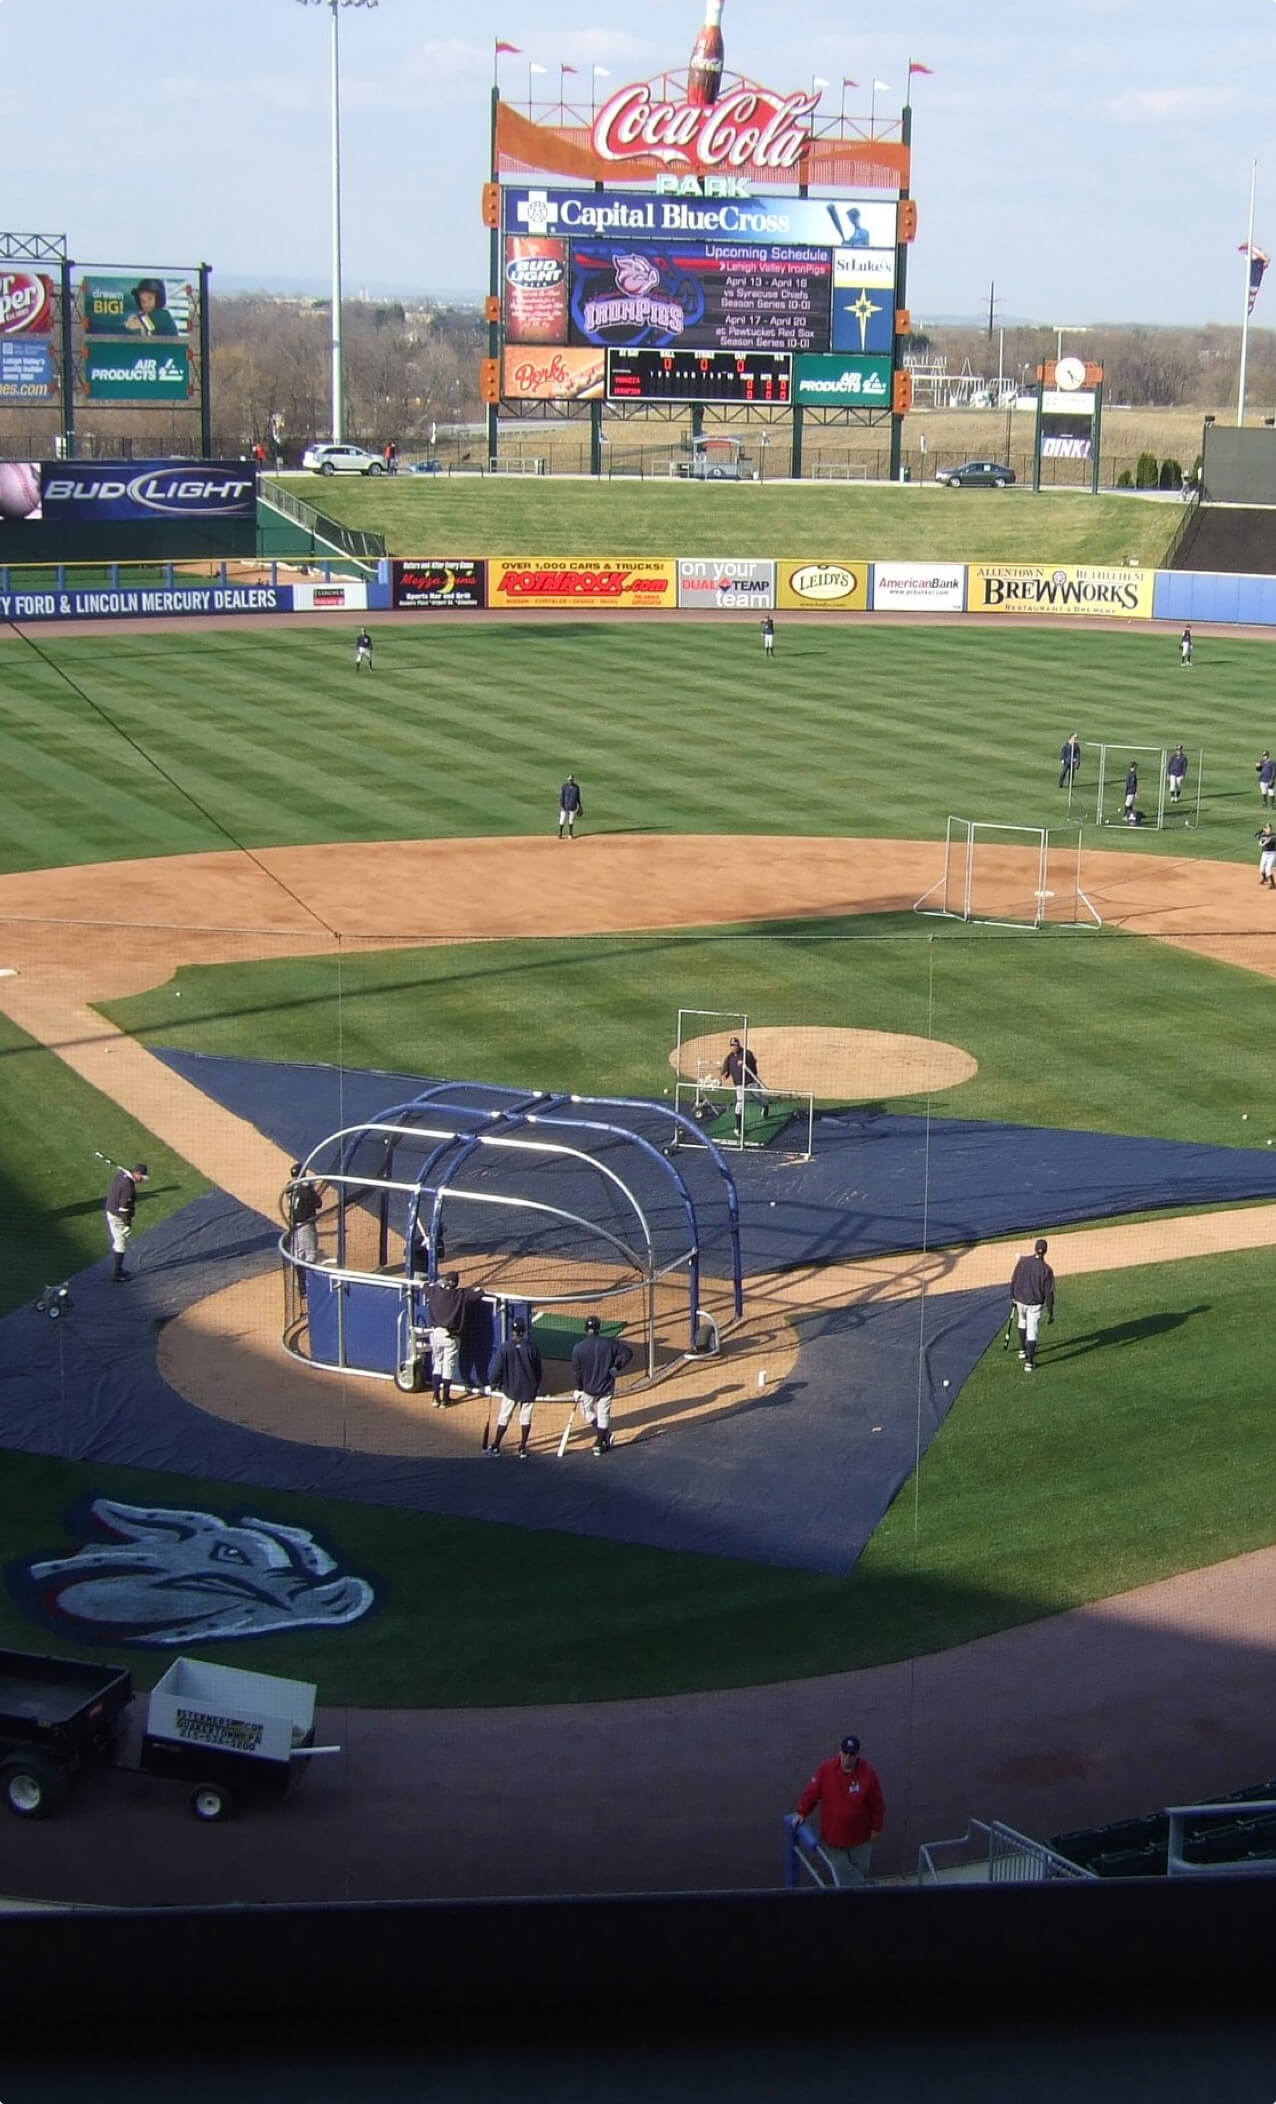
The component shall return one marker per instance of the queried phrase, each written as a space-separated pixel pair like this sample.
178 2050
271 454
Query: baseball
1244 1117
19 490
945 1384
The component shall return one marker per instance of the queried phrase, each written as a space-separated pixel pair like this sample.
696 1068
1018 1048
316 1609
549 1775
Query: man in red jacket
852 1811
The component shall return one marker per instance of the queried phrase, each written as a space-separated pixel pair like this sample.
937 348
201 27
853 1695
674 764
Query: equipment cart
232 1736
58 1717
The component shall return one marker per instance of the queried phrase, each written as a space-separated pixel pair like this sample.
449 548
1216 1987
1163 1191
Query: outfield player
1267 855
1185 647
1176 773
121 1205
596 1361
1265 769
1069 759
570 807
1131 792
363 650
768 634
1032 1291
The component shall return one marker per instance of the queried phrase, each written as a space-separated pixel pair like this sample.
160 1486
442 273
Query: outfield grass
856 728
559 515
1069 1029
1164 1461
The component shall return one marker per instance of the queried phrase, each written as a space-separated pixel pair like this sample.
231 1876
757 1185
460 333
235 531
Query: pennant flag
915 66
567 69
850 83
513 48
1258 262
881 87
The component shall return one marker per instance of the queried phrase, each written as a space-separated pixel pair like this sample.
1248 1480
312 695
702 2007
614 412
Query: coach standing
1032 1290
515 1375
121 1205
852 1811
596 1361
447 1300
1069 760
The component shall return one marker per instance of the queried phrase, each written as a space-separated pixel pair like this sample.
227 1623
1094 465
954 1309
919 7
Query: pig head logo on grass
173 1577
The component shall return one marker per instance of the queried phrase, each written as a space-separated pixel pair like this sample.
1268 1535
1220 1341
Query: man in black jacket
596 1361
447 1300
1032 1290
515 1375
121 1205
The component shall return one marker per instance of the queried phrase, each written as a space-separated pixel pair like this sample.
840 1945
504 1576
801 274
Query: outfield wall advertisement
567 581
427 581
140 603
718 581
822 587
1040 588
919 588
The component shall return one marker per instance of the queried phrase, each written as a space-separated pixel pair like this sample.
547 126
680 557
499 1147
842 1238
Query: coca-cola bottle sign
747 127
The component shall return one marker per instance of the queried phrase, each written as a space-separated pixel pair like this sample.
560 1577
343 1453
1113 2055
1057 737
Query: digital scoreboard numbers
699 376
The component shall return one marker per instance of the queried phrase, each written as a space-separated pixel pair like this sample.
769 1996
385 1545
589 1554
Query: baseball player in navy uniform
740 1068
1265 769
570 807
1131 792
121 1205
1267 855
1032 1291
1185 647
768 634
596 1361
515 1375
363 650
447 1300
1069 759
1176 773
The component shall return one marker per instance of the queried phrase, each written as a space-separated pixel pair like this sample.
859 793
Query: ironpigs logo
171 1576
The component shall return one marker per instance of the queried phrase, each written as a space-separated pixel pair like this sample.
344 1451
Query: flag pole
1249 264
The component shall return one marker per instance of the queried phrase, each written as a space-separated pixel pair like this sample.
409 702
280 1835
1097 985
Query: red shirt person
852 1811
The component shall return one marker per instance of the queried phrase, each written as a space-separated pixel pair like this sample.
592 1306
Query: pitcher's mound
839 1065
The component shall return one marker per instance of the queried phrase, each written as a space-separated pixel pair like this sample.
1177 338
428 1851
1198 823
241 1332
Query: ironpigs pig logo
172 1576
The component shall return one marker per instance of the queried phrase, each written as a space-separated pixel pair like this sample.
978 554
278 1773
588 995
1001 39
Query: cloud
1168 105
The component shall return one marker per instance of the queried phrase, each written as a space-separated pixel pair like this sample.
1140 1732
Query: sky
1093 161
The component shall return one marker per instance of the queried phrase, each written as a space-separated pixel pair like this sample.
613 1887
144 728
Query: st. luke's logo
172 1576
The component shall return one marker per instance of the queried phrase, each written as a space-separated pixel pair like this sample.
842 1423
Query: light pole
1062 330
338 402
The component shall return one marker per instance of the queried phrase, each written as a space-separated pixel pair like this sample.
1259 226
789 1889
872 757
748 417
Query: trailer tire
33 1789
210 1802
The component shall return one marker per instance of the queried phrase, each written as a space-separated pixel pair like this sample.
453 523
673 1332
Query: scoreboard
699 376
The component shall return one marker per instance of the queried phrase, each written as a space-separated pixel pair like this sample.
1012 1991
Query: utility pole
992 308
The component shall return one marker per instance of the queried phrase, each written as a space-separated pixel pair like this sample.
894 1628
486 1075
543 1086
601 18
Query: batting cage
552 1207
1010 876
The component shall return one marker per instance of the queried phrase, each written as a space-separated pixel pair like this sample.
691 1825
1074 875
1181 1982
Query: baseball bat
487 1428
107 1159
567 1430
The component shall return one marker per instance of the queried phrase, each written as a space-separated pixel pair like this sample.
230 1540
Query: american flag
1258 262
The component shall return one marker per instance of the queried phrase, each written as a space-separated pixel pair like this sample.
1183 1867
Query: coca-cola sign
747 127
26 303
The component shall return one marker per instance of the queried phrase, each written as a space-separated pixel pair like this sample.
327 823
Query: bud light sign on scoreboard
130 491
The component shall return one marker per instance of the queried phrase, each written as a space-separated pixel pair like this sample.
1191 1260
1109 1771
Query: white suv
342 460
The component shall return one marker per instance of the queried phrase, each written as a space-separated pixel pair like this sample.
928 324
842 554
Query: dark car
425 467
977 474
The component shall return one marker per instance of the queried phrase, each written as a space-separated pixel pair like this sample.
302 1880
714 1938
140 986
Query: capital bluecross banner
580 581
829 382
718 581
27 372
1068 588
128 492
822 587
121 372
626 215
919 588
144 604
429 581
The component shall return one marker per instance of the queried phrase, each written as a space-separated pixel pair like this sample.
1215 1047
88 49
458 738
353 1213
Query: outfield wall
642 584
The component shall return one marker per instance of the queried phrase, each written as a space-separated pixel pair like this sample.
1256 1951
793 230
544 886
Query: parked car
425 467
342 460
977 474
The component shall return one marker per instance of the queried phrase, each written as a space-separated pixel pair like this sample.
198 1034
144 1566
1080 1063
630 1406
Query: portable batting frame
1160 754
956 887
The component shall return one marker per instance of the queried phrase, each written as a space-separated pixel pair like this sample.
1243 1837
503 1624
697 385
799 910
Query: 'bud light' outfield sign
129 492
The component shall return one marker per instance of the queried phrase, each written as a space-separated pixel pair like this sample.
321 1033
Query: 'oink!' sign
746 128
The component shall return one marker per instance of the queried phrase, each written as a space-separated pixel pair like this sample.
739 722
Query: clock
1069 375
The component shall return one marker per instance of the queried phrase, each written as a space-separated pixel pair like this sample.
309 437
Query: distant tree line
1144 368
